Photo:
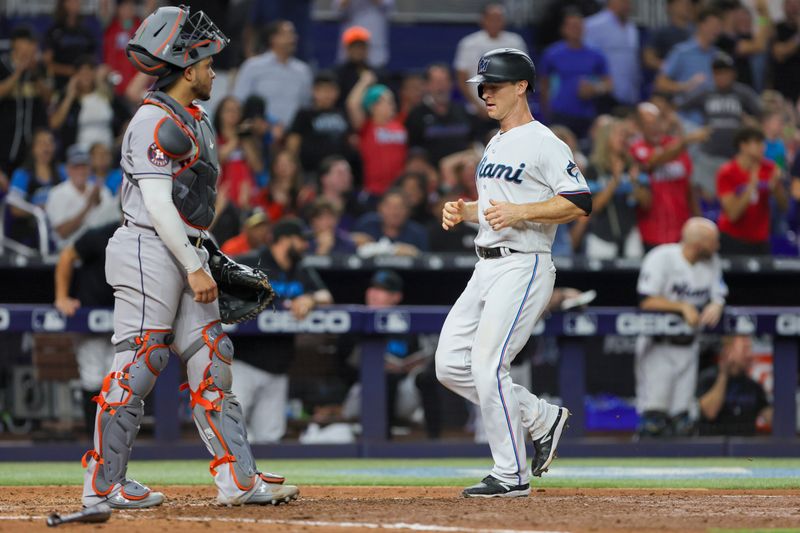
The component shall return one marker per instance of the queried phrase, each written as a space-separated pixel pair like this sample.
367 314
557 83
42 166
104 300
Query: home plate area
369 508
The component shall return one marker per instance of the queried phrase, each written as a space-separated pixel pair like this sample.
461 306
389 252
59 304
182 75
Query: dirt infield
340 509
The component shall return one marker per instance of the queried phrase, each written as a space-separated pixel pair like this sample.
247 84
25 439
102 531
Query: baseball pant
486 328
263 396
666 376
151 292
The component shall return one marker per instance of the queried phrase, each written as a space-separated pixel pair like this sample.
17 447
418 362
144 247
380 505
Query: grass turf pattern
712 473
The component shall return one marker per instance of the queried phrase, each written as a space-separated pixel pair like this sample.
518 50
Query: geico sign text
315 322
787 324
651 324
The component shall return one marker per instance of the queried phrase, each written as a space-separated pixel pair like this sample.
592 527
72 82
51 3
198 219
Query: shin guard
216 412
117 422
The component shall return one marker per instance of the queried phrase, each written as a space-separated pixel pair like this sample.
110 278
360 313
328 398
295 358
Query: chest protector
190 141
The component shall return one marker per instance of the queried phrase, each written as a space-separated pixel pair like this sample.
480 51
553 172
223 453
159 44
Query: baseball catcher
161 272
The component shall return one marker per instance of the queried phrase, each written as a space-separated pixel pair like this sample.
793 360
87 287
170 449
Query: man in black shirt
94 353
786 52
23 99
260 369
730 400
438 124
321 130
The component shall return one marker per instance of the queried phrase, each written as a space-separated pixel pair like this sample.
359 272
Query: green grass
368 472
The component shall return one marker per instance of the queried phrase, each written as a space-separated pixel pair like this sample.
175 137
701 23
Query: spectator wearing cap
382 138
254 235
321 130
89 111
724 107
745 185
688 65
389 230
355 42
23 98
260 369
371 16
327 237
579 75
76 204
613 33
470 49
410 378
278 77
438 124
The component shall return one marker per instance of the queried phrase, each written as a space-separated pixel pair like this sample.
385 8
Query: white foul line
318 523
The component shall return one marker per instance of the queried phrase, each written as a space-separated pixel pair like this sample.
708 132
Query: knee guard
216 412
117 423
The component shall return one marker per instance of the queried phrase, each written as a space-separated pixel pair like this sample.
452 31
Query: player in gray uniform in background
164 295
684 278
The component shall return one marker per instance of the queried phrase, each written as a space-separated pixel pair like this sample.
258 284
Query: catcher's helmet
505 64
170 39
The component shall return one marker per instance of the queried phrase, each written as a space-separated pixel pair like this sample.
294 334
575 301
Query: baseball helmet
171 39
504 64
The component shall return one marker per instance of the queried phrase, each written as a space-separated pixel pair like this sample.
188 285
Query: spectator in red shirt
382 137
745 184
115 39
255 234
668 166
285 193
239 153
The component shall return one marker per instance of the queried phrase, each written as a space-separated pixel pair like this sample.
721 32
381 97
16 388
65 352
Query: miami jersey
523 165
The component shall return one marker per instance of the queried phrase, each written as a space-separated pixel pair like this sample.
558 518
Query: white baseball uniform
666 367
494 317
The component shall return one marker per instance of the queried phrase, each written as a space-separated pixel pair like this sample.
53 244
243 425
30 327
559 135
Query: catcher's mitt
243 291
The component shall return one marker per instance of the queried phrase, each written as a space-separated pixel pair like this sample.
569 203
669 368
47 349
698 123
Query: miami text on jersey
499 170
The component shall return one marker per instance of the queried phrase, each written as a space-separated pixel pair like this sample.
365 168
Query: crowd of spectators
672 118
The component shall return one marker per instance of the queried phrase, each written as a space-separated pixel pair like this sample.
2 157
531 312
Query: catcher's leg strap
216 412
117 422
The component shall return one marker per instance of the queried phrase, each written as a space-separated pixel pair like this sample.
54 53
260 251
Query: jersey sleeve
725 185
719 290
559 170
651 275
141 154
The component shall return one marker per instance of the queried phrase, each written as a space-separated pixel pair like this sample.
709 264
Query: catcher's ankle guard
117 423
216 411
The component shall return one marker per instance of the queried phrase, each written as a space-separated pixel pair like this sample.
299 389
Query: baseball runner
527 184
164 294
683 278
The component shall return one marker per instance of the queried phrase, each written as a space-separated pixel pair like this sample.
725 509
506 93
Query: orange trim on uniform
158 144
169 37
134 498
201 43
144 67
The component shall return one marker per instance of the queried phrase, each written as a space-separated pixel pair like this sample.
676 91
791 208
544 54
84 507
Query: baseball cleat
492 487
269 477
265 493
545 447
131 495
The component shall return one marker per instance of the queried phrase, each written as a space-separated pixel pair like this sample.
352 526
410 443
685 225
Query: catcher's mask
171 39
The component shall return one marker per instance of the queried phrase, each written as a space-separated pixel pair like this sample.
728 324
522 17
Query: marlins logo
156 156
483 64
572 170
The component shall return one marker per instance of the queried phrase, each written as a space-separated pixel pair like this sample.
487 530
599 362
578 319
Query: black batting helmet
171 39
504 64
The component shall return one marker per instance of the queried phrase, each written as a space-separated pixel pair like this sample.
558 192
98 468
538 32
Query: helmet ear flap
480 91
